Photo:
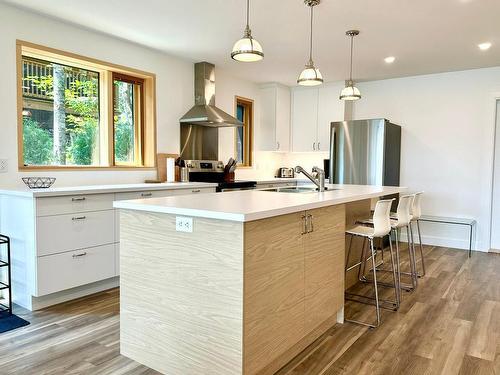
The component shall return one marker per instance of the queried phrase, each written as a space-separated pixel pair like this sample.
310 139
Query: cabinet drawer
57 234
160 193
73 203
71 269
143 194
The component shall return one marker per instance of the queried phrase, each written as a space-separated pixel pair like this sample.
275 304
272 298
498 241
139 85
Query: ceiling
425 36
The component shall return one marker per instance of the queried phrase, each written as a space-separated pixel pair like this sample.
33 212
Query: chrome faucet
319 181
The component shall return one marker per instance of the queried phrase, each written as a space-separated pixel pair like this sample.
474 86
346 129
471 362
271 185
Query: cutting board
161 165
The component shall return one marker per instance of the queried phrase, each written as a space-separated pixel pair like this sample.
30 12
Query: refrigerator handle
331 172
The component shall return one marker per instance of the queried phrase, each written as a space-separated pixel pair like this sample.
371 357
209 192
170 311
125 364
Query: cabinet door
304 119
324 265
273 289
283 119
330 109
267 140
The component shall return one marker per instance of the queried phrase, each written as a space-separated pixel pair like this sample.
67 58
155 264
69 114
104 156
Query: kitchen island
233 283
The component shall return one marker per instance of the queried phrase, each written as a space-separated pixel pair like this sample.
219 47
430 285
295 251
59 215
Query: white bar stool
402 220
399 221
381 228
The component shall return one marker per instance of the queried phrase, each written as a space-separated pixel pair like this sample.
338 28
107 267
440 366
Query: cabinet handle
80 199
78 218
278 145
195 191
314 146
304 222
319 148
79 255
146 194
311 224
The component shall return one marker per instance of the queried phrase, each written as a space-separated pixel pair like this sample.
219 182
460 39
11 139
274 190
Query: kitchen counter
234 283
249 205
98 189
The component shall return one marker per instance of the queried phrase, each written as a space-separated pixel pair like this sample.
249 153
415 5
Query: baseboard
38 303
496 251
453 243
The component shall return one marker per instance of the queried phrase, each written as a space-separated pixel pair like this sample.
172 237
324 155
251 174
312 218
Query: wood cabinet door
273 289
324 265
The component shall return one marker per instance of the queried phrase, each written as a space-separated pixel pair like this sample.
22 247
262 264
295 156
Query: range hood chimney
204 112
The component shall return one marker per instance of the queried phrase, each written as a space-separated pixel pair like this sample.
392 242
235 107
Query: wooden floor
450 325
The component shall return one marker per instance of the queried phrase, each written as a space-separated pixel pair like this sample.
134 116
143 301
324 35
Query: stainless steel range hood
204 112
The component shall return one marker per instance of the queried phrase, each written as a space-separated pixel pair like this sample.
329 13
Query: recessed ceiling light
484 46
390 59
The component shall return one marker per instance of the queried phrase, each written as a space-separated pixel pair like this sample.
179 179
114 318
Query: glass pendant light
247 49
311 75
350 92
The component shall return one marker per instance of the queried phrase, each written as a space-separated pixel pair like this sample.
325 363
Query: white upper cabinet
304 119
313 109
274 118
330 109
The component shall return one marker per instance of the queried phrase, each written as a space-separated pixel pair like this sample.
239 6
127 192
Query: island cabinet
230 297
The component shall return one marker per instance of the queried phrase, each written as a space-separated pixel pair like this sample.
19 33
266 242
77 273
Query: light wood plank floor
450 325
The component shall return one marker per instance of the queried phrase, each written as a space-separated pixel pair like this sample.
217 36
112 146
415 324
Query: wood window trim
139 130
106 71
248 131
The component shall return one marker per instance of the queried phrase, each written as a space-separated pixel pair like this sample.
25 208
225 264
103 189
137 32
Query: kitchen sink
296 189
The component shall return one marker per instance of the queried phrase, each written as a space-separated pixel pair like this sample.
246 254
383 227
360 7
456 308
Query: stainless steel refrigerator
365 152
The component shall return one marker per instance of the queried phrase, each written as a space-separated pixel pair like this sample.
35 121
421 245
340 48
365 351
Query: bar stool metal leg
421 249
375 286
374 269
394 276
411 255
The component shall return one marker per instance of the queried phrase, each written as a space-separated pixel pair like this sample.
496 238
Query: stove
213 171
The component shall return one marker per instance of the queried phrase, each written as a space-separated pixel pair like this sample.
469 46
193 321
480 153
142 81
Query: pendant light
247 49
310 76
350 92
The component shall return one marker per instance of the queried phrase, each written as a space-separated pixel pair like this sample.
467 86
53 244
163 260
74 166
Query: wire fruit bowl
38 182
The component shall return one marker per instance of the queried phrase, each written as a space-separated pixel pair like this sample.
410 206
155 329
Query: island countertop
250 205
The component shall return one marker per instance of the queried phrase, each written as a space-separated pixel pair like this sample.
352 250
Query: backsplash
266 163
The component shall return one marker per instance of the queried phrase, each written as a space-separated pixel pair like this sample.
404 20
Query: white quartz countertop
98 189
249 205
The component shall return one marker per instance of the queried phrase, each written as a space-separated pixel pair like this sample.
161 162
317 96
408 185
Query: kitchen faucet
319 181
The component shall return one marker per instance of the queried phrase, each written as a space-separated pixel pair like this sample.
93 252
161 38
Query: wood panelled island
259 277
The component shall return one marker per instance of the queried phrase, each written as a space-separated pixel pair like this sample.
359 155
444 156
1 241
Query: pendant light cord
248 13
350 74
311 36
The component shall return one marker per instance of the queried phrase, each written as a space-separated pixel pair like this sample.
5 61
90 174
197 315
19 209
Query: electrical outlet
184 224
4 165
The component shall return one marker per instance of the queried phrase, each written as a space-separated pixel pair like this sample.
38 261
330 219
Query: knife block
229 177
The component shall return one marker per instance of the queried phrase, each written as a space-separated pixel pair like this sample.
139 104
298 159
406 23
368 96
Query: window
60 114
76 112
127 119
244 134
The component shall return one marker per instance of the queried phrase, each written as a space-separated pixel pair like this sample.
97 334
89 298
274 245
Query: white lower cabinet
70 269
77 239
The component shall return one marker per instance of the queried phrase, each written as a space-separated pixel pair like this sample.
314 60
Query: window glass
60 114
124 119
240 133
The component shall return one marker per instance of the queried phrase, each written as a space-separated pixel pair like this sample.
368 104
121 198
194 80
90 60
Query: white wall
447 143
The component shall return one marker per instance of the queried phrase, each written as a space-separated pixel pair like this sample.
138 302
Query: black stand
6 310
